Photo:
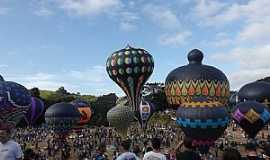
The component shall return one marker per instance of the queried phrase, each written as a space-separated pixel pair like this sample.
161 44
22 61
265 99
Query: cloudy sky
53 43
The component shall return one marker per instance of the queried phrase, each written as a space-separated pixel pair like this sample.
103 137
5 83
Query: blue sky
53 43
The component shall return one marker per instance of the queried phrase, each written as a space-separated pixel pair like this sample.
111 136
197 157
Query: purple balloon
35 111
14 101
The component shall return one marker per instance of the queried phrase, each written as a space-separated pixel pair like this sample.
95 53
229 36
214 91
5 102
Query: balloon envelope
84 109
233 99
196 80
120 117
202 120
258 91
61 117
1 78
130 68
15 100
146 111
35 111
252 116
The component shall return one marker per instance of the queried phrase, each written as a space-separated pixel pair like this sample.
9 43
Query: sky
53 43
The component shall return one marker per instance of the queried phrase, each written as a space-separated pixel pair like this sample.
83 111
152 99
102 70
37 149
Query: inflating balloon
252 116
258 91
146 111
84 109
202 120
122 101
62 117
15 100
35 111
195 79
120 117
130 68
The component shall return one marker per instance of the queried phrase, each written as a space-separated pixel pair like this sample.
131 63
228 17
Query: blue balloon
15 100
146 110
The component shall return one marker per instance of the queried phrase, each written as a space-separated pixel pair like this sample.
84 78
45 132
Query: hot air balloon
233 99
120 117
252 116
258 91
1 79
84 109
62 117
15 100
146 111
202 120
195 79
130 68
35 111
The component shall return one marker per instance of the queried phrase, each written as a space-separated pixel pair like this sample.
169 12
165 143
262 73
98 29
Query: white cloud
44 12
49 85
221 40
127 26
95 75
216 13
3 66
248 58
162 16
89 7
244 76
84 81
253 64
176 39
208 8
4 10
128 21
258 32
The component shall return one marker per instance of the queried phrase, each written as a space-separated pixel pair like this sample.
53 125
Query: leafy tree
62 91
35 92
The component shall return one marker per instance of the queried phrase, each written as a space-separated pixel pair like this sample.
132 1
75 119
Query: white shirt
127 156
154 156
10 150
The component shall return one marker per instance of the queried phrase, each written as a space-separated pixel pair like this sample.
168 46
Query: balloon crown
1 78
128 47
195 56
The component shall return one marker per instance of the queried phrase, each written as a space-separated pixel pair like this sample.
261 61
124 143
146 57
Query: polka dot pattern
130 62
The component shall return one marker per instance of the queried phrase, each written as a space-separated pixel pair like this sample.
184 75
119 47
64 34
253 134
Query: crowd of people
158 142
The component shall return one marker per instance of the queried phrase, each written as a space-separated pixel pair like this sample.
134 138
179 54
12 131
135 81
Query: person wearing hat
9 149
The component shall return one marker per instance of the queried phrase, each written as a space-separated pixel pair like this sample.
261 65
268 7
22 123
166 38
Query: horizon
52 43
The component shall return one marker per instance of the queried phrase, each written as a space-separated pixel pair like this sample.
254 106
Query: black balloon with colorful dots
130 68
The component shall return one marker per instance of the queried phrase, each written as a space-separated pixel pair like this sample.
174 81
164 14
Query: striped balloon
35 111
202 120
